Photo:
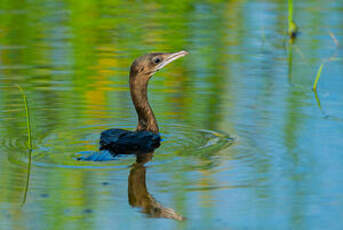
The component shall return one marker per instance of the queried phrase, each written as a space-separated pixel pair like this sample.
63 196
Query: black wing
120 141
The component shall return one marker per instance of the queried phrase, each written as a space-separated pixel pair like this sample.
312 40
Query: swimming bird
146 137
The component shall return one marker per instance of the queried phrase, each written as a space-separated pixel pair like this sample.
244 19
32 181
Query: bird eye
156 60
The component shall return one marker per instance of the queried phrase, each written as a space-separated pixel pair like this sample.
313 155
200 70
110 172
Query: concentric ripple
61 148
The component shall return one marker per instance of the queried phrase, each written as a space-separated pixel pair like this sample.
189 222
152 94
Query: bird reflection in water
139 195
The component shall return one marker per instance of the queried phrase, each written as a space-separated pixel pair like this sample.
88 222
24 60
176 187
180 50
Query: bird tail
103 155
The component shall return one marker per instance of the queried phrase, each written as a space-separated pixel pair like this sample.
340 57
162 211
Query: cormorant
146 137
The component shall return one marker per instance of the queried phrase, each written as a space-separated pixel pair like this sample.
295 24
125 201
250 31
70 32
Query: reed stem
317 77
290 13
29 143
28 118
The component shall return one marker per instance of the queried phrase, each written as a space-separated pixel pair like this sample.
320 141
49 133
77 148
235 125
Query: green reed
290 13
28 118
292 26
328 60
317 77
29 142
26 189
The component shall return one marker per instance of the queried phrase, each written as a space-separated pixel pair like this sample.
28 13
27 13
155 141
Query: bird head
146 65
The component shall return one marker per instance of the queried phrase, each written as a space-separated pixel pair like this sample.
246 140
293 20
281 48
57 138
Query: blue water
247 143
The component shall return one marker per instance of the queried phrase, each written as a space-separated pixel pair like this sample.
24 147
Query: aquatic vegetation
292 30
318 102
290 11
28 118
292 26
29 142
317 77
330 59
290 62
320 69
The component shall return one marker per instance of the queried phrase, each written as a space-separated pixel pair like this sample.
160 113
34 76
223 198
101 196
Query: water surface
283 167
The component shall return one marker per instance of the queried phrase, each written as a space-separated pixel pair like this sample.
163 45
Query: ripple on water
61 148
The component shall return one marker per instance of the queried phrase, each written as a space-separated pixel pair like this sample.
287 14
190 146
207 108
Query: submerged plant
290 63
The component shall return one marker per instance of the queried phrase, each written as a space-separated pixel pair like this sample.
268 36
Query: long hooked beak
170 57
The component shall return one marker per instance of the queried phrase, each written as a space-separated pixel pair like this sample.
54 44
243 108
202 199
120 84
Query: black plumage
120 141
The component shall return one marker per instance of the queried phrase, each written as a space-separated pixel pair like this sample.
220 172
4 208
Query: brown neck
139 96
